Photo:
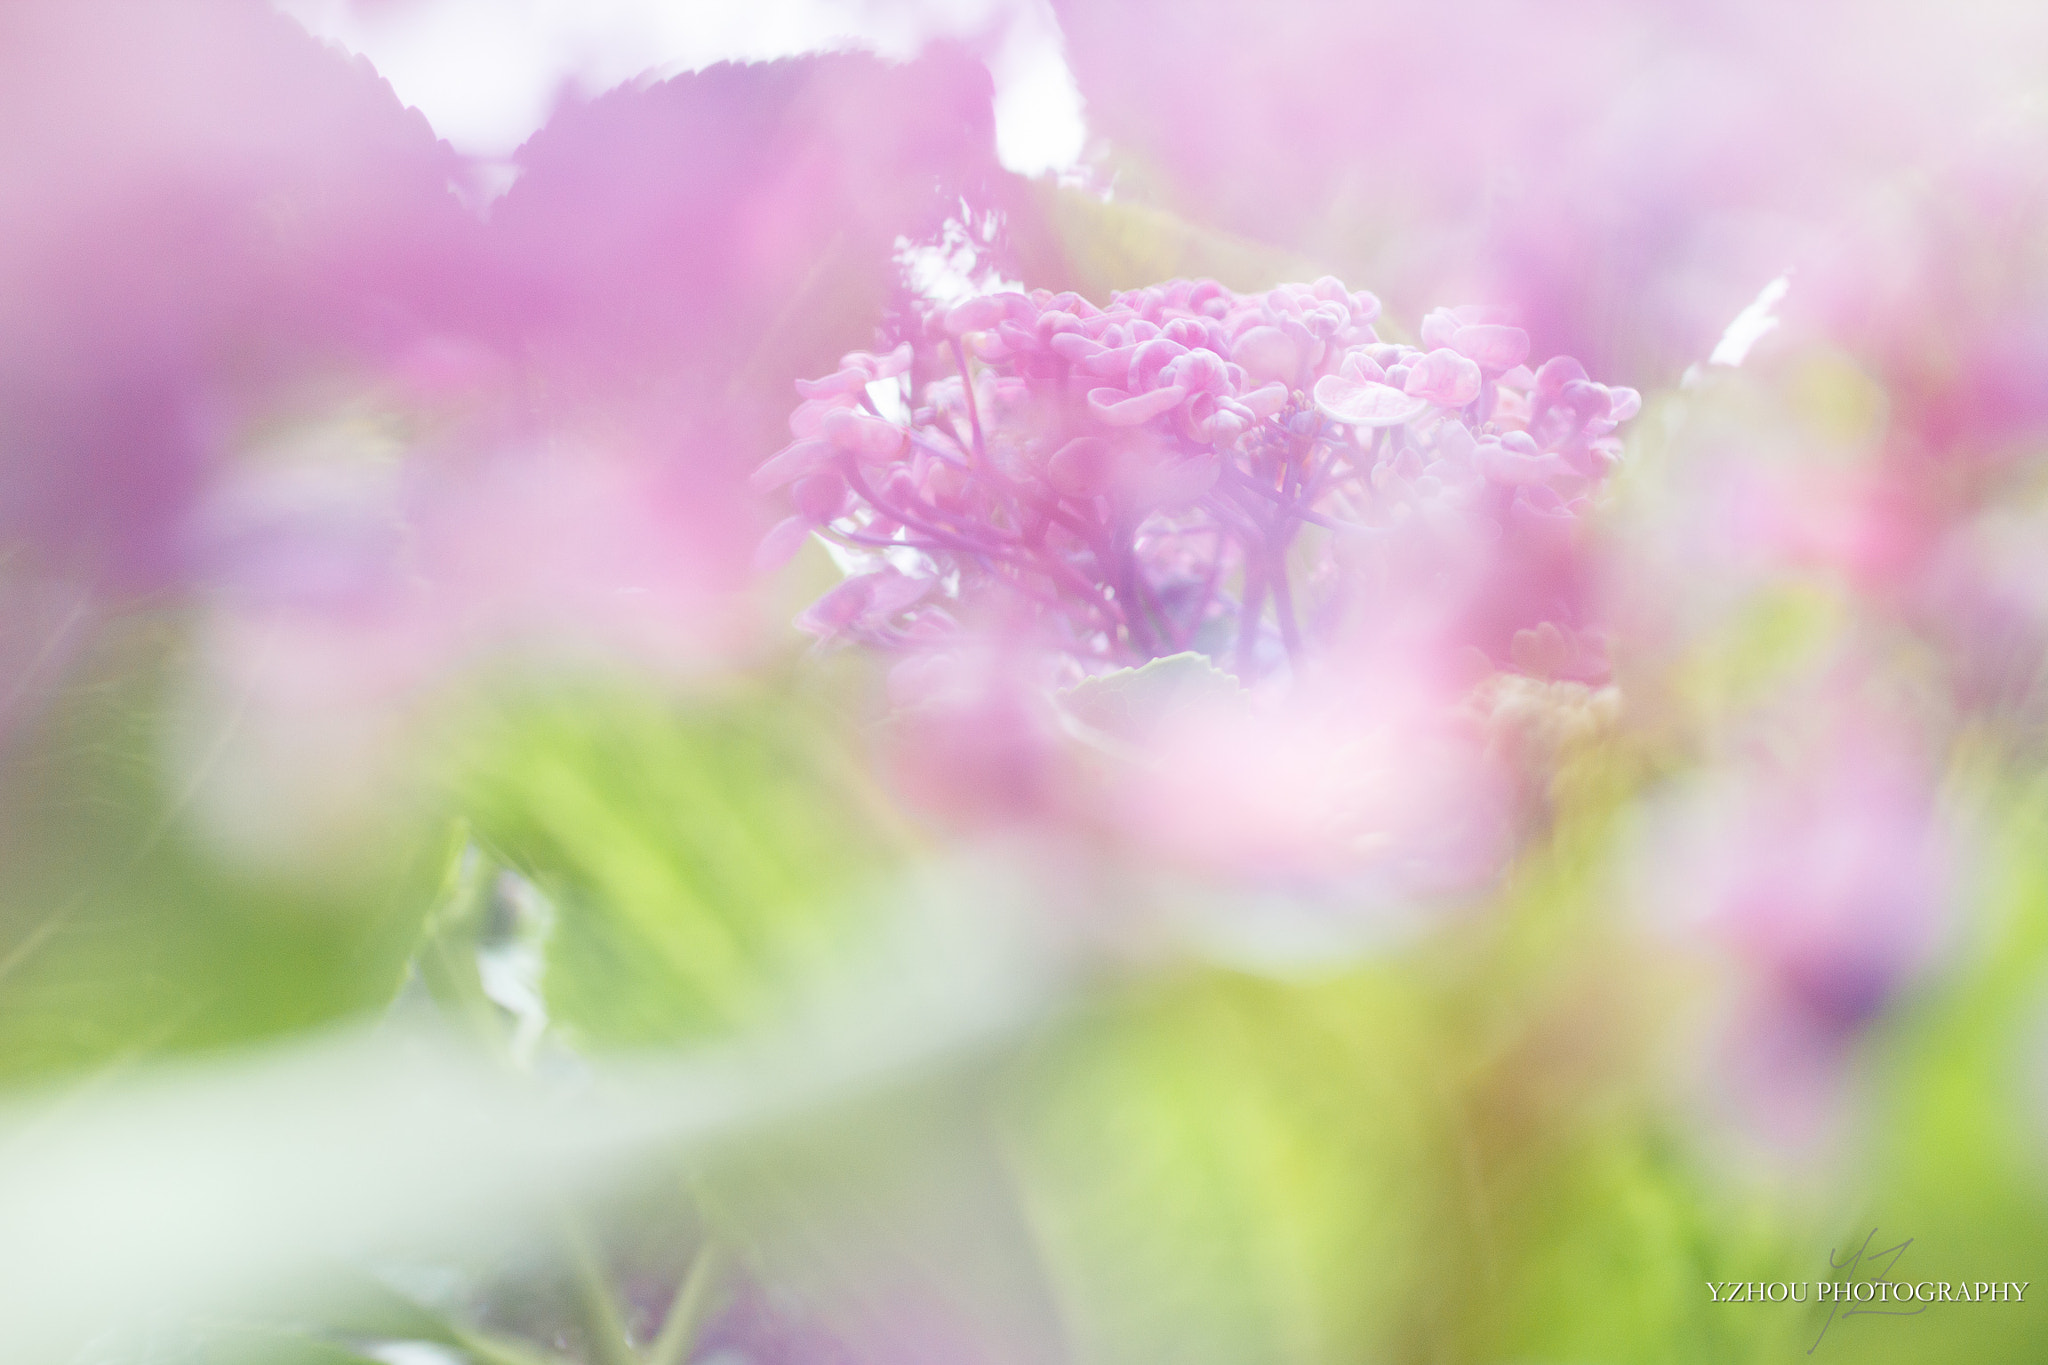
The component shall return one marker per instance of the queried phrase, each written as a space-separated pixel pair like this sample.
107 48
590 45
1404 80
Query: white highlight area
1752 324
1040 126
487 73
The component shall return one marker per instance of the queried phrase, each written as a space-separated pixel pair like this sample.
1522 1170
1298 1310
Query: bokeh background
497 868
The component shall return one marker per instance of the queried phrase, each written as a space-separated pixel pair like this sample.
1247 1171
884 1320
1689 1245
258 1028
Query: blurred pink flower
1983 597
1938 293
1834 884
198 204
348 603
1626 173
1939 288
974 740
259 356
673 251
1368 781
1823 868
218 223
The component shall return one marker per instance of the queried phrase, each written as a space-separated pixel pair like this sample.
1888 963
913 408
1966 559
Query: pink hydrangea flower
1250 476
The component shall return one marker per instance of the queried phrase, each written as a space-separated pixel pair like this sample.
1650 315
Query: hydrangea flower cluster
1189 468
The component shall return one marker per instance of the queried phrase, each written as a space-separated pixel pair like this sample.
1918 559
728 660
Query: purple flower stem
1240 521
1115 553
1249 613
953 538
1208 595
1156 624
1283 606
956 460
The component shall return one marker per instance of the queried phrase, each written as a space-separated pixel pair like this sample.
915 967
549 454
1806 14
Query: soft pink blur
209 204
1625 173
260 358
1367 780
1885 438
1940 293
220 220
1819 863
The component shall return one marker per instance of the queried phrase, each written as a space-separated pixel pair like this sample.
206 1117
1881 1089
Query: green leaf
1225 1170
700 856
1122 702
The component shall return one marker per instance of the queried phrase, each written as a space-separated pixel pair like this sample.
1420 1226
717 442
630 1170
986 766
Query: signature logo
1865 1281
1890 1257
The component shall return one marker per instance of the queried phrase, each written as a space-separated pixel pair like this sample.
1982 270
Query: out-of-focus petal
1445 378
1120 409
1366 404
1082 467
790 463
781 543
1495 347
869 439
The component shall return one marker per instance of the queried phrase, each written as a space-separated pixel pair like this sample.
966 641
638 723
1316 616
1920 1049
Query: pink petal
870 439
1444 377
975 315
1221 426
1543 652
1152 357
1183 480
1017 338
1554 374
1199 371
1265 400
820 497
849 380
880 595
894 591
793 461
781 543
1267 354
809 418
895 363
988 346
1589 402
1362 367
1075 347
837 609
1365 404
1081 467
1439 327
1454 441
1541 518
1504 465
1113 364
1497 349
1120 409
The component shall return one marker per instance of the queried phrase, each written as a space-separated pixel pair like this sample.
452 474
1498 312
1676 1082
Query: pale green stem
690 1308
608 1336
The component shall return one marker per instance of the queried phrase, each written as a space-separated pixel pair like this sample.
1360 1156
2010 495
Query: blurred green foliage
124 933
700 856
